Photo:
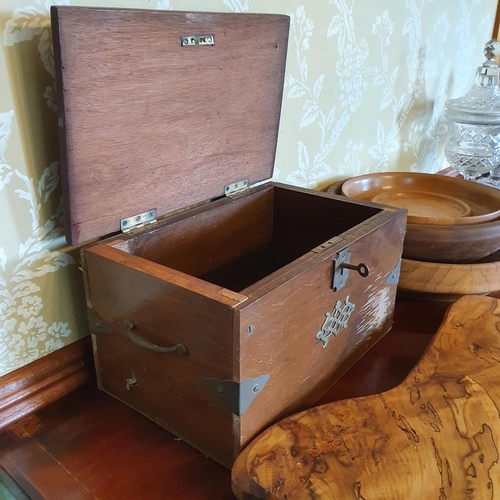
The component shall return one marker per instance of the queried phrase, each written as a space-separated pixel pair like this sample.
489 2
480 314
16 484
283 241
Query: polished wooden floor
88 445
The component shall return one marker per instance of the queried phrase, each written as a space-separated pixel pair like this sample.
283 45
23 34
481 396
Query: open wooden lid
148 123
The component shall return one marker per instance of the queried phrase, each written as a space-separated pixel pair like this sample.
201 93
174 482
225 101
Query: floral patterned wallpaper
365 87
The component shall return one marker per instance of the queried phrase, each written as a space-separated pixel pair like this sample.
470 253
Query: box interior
235 245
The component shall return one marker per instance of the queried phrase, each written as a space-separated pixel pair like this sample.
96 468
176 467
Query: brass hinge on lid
138 221
236 187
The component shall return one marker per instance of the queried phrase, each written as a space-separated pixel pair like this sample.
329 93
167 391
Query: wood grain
47 379
206 239
116 453
483 201
180 282
150 124
166 309
93 446
436 435
285 317
452 244
449 279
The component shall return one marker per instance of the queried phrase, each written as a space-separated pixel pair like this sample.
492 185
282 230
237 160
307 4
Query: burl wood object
436 435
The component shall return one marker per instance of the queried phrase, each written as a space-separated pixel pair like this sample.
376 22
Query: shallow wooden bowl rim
484 201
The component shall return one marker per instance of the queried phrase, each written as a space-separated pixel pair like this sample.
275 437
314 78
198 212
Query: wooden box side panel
285 322
304 219
168 388
209 237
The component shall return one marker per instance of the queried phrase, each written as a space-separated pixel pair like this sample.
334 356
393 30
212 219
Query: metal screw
151 214
250 330
255 388
124 223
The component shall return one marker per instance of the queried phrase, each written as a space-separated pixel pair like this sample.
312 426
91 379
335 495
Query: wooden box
229 312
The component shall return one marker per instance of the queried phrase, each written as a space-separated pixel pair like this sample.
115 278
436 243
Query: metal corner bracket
237 396
393 277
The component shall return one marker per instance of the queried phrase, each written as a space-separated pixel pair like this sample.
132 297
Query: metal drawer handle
180 349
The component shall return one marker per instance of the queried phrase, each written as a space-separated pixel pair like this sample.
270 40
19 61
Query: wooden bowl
435 280
446 244
451 244
430 199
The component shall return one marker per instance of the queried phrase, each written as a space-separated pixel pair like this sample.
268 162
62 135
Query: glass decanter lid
481 104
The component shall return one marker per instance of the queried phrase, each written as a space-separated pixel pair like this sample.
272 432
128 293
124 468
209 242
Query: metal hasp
193 40
336 320
341 268
97 325
393 278
137 221
238 396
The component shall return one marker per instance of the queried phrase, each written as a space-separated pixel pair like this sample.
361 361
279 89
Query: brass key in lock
362 269
341 267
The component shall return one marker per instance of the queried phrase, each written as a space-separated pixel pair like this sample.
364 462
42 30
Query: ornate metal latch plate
336 320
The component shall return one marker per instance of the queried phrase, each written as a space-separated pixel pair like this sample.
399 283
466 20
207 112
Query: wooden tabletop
88 445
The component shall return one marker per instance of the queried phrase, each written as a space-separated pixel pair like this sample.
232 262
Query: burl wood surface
146 123
436 435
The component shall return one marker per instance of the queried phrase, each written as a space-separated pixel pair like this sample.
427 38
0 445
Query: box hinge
237 396
137 221
236 187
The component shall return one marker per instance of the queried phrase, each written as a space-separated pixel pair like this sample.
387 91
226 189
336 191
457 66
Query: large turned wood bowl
430 199
453 244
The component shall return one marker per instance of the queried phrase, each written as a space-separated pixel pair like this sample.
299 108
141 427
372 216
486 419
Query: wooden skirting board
44 381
